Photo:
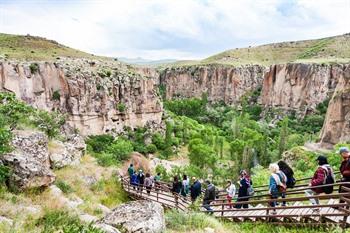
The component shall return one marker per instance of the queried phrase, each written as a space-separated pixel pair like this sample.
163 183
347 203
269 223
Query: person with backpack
245 189
288 171
209 196
196 189
344 168
185 186
131 171
148 183
134 181
323 175
176 189
140 179
231 191
277 184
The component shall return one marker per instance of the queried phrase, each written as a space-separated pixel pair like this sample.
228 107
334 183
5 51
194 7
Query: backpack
329 179
291 182
282 188
250 189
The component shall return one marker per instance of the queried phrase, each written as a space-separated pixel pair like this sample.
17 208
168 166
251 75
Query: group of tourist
281 179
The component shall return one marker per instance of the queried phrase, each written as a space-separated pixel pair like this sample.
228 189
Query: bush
99 143
158 141
121 107
50 123
66 188
5 139
4 174
62 221
56 95
120 149
34 68
106 159
151 148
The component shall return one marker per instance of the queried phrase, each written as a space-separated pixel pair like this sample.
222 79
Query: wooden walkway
298 211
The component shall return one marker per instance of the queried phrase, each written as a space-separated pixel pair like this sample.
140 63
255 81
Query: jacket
196 189
345 166
231 190
134 180
209 194
176 187
141 178
243 187
148 182
319 178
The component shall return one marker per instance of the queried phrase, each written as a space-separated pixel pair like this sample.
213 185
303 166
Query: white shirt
231 191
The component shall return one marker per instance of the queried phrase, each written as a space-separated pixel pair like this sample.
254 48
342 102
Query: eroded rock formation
221 83
336 127
299 87
97 96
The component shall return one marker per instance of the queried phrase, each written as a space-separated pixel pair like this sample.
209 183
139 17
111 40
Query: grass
326 50
194 222
35 48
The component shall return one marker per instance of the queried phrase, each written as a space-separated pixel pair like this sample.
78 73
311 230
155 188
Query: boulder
137 217
6 220
29 161
66 153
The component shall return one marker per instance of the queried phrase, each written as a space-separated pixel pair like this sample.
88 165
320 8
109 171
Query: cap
343 149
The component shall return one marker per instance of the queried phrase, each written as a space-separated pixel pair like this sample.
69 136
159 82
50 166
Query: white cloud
184 29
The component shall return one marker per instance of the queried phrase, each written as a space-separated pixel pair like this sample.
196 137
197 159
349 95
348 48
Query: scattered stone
29 161
209 230
104 209
87 218
137 216
89 180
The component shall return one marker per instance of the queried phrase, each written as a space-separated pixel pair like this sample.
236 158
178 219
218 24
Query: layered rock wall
221 83
97 97
299 87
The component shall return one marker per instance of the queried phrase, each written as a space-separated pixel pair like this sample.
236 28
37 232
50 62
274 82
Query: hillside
326 50
35 48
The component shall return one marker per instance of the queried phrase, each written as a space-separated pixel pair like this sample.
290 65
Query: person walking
277 185
157 181
134 180
131 171
244 184
196 189
148 183
185 186
320 178
176 189
288 171
344 169
231 191
141 179
209 196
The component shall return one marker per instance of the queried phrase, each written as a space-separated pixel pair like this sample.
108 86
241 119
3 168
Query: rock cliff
221 83
97 96
299 87
336 127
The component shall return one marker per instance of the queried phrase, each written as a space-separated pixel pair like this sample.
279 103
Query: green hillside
326 50
35 48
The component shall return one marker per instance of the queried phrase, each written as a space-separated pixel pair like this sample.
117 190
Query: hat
193 178
343 149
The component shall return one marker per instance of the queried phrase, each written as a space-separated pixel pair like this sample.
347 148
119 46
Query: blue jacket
134 180
273 186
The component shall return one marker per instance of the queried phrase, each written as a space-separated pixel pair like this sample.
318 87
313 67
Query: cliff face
221 83
98 97
336 127
299 87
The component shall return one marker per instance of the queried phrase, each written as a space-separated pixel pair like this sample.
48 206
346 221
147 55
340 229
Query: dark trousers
245 206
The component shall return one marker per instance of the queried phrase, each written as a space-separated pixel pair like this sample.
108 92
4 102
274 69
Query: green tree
282 145
120 149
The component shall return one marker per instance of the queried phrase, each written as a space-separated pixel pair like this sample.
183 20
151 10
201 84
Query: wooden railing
159 193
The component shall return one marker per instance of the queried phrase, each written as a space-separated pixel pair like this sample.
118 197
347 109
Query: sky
173 29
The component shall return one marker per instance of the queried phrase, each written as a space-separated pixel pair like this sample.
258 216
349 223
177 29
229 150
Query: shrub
5 139
158 141
50 123
121 107
151 148
34 68
66 188
4 174
106 159
62 221
99 143
56 95
120 149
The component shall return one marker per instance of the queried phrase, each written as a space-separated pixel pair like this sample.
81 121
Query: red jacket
343 167
318 179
